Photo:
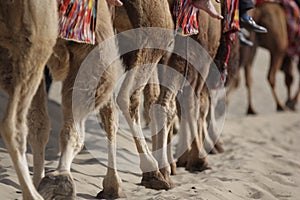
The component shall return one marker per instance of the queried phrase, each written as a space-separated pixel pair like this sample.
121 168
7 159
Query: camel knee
70 137
13 137
39 127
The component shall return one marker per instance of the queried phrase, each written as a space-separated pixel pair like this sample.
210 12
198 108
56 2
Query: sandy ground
261 159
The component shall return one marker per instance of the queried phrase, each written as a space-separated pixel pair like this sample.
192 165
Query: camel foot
155 180
111 186
58 186
219 147
251 111
182 160
110 195
213 151
198 166
167 176
291 104
281 108
173 168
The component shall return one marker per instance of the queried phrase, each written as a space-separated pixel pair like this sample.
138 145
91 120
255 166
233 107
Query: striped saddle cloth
77 20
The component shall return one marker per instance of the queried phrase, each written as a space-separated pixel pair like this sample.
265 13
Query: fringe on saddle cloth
77 20
231 19
186 17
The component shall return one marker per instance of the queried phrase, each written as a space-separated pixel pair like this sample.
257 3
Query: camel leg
297 96
288 70
79 98
155 14
128 101
276 61
248 77
86 88
112 182
214 131
28 53
39 128
196 159
151 92
26 76
162 119
203 123
60 184
170 151
14 130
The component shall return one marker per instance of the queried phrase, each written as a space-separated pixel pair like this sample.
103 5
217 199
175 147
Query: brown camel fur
287 68
141 14
24 53
28 31
151 91
271 16
157 14
208 38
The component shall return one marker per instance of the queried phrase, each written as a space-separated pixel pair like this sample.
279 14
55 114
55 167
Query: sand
261 158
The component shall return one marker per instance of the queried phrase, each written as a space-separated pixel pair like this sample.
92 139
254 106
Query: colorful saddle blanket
293 23
186 16
77 20
231 21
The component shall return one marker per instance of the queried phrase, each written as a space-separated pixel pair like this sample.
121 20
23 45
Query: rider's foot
208 7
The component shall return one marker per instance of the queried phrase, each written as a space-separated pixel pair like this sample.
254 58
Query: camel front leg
128 101
60 184
14 132
39 129
151 92
296 98
112 182
292 102
196 157
276 60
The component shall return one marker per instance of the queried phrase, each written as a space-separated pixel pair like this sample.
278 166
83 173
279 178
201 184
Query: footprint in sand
255 194
282 178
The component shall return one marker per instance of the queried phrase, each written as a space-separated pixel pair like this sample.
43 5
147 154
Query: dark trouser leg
245 5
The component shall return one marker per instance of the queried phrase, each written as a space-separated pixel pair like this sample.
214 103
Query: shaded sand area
261 159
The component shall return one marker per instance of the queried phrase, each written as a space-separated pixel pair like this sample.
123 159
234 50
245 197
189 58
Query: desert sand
261 158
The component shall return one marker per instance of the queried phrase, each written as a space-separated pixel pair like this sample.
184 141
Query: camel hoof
219 147
213 151
110 195
291 104
155 180
281 108
58 186
182 160
198 166
251 111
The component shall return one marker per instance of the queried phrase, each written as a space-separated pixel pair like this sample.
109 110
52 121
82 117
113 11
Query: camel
188 97
151 91
70 56
273 17
26 44
75 109
28 31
